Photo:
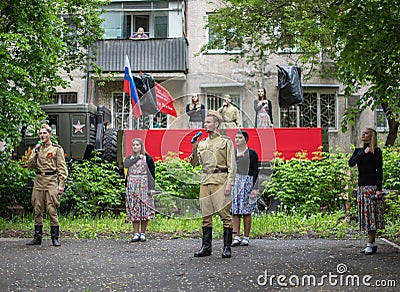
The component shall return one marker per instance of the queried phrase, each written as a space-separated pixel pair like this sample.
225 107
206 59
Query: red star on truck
78 127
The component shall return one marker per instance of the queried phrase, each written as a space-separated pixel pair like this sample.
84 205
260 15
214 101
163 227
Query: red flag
165 100
130 87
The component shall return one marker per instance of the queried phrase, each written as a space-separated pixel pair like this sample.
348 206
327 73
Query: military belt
217 170
42 173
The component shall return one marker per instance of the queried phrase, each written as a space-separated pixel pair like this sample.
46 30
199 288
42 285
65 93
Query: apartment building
172 55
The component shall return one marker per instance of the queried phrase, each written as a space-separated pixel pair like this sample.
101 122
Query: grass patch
276 225
109 225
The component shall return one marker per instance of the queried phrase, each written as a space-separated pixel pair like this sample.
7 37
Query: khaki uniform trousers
44 199
213 199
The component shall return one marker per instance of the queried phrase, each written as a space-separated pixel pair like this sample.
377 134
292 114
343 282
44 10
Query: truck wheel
110 145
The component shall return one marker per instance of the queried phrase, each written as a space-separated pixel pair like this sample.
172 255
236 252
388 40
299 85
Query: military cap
215 114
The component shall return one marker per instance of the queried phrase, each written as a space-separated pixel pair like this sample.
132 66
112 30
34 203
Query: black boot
226 253
37 237
206 243
54 232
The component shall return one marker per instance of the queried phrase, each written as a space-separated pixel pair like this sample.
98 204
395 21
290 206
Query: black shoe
135 238
37 237
206 243
245 242
236 242
54 233
374 250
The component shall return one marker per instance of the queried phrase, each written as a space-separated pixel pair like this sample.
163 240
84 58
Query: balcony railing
149 55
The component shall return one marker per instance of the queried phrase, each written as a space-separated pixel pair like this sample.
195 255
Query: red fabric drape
287 141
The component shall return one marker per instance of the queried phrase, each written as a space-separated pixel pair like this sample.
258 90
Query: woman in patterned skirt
244 190
139 189
263 109
369 192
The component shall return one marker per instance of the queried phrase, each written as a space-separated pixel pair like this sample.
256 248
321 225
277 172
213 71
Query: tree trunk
393 127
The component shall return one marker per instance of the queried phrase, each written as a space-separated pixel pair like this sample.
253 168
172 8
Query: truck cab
79 129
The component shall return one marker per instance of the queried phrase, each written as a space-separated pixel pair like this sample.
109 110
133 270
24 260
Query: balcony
149 55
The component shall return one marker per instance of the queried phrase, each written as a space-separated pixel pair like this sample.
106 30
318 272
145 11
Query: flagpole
130 114
123 110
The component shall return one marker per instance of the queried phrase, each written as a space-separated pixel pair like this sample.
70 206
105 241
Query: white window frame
379 111
318 92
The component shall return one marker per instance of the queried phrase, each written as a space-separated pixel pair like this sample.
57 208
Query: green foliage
310 186
16 185
392 210
354 34
391 169
178 177
37 47
92 185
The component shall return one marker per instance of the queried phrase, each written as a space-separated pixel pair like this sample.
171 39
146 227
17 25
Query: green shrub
179 183
391 168
178 177
310 186
92 185
16 185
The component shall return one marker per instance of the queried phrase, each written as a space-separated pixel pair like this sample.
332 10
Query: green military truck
79 129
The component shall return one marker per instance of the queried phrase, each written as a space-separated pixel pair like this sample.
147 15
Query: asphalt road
169 265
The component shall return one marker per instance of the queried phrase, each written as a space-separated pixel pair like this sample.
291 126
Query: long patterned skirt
263 120
139 204
242 201
370 210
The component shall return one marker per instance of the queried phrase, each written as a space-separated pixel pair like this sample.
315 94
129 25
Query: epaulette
225 137
56 145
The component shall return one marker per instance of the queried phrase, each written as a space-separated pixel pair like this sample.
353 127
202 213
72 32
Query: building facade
172 55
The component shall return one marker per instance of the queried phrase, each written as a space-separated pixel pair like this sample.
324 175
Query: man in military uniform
230 114
216 156
48 160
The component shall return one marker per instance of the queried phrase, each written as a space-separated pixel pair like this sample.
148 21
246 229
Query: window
160 19
161 26
214 100
124 113
381 123
318 110
64 98
221 45
121 111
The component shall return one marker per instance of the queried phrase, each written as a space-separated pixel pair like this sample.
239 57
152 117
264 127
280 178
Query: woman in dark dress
196 112
244 190
140 187
369 192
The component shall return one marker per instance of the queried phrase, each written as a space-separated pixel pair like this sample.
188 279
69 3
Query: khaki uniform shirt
215 152
49 159
230 114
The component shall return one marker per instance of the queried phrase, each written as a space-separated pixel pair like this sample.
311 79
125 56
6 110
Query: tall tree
360 36
38 44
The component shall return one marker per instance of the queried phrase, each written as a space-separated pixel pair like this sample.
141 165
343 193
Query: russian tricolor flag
130 87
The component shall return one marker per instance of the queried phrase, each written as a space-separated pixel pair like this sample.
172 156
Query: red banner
165 101
267 142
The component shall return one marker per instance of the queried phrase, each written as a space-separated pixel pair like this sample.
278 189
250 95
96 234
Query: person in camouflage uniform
48 160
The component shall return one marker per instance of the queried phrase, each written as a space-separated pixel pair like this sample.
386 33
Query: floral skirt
263 120
370 210
139 203
242 200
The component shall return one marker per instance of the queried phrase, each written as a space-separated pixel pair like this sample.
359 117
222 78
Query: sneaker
236 242
368 250
142 237
245 242
136 237
374 249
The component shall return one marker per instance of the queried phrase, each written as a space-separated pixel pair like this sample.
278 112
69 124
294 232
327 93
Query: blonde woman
369 193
